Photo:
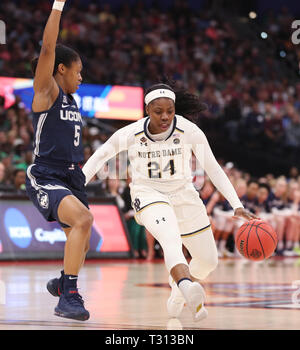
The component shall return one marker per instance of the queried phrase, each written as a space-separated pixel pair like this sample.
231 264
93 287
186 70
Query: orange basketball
256 240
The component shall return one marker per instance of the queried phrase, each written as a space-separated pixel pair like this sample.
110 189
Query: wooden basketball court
132 295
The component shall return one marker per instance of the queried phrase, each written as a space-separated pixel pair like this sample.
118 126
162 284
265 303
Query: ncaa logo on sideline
2 32
17 228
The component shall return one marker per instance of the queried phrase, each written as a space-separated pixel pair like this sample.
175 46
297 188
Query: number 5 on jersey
77 135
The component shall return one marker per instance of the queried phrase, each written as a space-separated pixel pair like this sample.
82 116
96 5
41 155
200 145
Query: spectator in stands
223 225
249 199
9 168
232 119
5 185
274 131
209 196
262 208
292 135
19 181
4 146
292 232
2 173
253 128
293 173
207 191
278 204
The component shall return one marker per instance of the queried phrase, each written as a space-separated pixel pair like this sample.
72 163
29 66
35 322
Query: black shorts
47 185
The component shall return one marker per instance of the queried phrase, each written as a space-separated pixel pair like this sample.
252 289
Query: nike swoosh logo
65 106
72 278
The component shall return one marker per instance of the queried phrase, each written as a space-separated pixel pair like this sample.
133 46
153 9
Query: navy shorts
47 185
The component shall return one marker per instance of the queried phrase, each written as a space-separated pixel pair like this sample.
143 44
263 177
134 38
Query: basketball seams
248 238
268 232
237 238
256 227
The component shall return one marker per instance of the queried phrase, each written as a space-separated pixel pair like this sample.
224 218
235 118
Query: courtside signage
24 230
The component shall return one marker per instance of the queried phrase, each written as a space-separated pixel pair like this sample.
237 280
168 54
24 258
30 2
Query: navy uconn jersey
58 151
58 131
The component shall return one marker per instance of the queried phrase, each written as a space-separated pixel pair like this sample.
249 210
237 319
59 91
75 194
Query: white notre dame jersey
163 165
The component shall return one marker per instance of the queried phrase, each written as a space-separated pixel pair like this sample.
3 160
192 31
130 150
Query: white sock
280 245
289 245
222 245
184 285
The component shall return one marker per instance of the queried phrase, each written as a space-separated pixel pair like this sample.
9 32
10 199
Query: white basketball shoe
176 300
195 297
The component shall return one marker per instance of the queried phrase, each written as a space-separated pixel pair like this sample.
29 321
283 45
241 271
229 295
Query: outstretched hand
242 213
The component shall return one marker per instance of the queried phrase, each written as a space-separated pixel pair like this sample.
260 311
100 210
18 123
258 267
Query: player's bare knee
88 220
85 222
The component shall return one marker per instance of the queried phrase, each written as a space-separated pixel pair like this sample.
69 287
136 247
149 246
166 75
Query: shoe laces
74 298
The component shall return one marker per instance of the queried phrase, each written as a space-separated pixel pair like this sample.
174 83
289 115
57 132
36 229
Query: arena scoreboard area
94 101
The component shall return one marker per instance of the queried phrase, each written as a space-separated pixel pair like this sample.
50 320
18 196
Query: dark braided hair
186 103
63 54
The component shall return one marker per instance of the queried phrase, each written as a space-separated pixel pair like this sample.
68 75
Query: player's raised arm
44 84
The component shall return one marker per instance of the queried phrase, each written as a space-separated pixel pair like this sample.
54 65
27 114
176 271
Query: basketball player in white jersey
163 196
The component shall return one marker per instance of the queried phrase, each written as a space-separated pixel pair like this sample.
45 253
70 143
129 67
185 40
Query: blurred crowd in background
249 82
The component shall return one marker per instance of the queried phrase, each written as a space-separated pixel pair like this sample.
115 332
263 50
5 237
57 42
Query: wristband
58 5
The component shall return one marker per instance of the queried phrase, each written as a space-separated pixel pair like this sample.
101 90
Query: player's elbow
47 49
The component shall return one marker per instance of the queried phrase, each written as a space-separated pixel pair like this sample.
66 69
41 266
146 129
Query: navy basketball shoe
71 305
55 286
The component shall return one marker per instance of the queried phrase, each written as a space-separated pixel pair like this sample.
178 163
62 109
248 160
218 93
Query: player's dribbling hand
241 213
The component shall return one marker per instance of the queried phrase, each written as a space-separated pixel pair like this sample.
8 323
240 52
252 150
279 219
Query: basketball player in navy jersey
55 182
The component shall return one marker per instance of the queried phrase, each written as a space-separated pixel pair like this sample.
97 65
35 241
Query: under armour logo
162 92
162 219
